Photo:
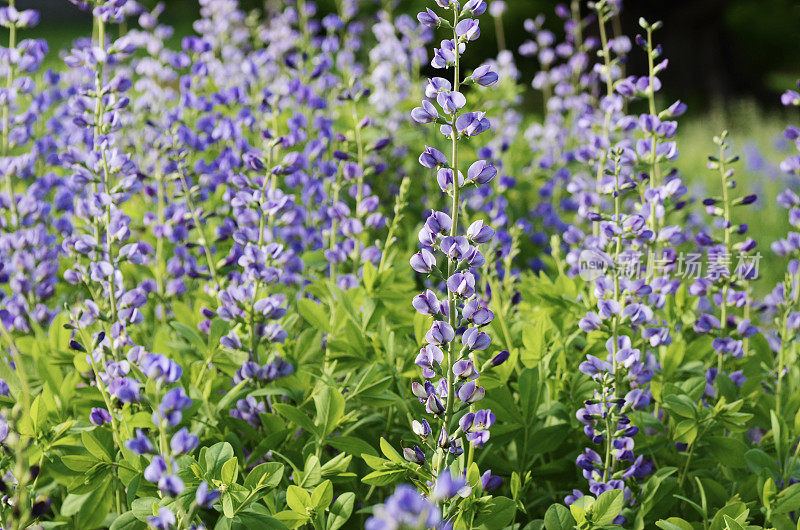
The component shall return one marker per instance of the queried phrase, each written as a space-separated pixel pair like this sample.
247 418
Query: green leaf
38 415
680 405
322 496
685 431
369 275
352 445
788 500
674 523
580 507
496 514
758 461
292 519
314 314
732 524
734 509
250 520
296 416
383 477
144 507
729 450
330 409
89 508
191 335
218 328
298 499
607 507
216 456
341 510
127 521
79 463
230 470
390 452
312 473
558 517
533 338
227 505
100 443
266 475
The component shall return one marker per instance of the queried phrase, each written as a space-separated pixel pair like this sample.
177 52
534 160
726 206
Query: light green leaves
305 507
330 410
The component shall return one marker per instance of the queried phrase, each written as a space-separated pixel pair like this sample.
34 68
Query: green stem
451 264
6 141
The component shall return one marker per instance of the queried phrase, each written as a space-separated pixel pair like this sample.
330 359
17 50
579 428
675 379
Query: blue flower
405 508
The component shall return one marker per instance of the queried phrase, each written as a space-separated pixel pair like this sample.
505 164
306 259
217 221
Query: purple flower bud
433 405
590 322
676 109
462 284
419 390
352 171
479 232
447 487
490 482
432 158
484 76
439 222
164 520
451 101
206 497
156 469
428 358
500 358
140 444
440 333
468 29
28 18
469 392
99 416
423 262
476 7
427 113
429 18
474 339
790 97
464 369
421 428
476 312
183 442
444 177
436 85
170 485
427 303
415 455
472 124
481 172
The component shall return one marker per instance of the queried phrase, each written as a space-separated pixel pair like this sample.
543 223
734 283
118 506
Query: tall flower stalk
731 265
784 300
463 311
